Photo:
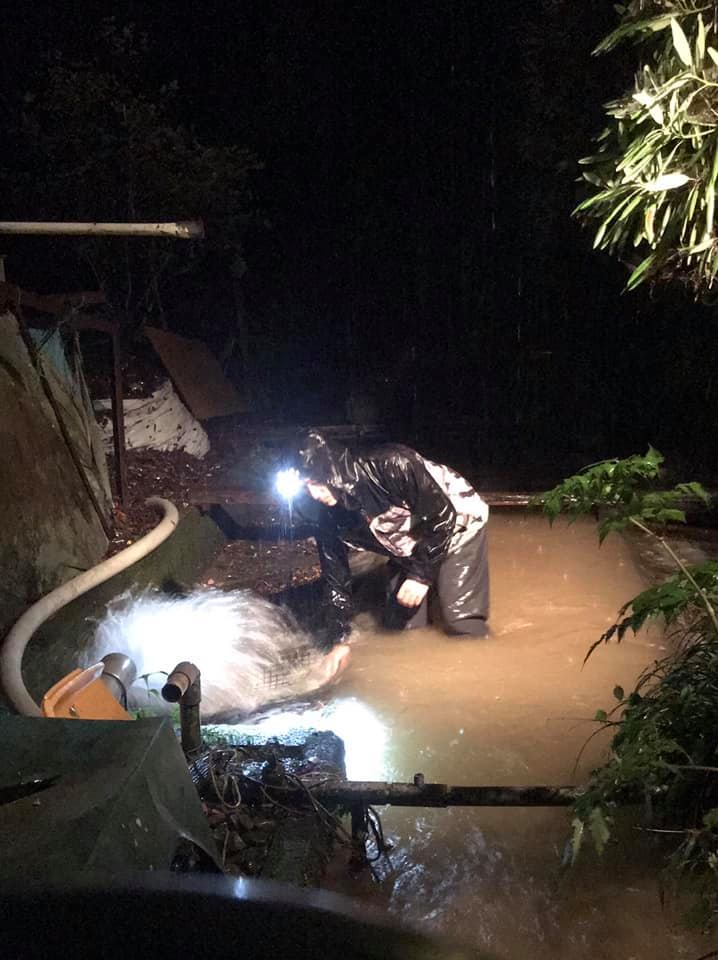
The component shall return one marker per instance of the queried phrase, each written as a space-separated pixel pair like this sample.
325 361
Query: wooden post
118 419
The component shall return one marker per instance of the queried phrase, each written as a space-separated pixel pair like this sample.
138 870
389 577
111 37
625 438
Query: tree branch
683 568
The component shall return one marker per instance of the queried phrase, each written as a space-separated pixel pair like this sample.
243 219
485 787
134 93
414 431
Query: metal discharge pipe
379 793
179 230
183 685
118 675
21 634
358 797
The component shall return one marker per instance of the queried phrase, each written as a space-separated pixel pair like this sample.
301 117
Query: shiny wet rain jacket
393 501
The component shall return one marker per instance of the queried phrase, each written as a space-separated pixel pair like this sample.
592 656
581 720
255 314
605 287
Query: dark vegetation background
406 252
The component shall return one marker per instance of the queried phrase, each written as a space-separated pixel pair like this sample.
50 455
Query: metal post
360 834
118 419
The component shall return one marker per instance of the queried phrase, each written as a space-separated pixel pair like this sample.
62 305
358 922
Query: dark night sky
419 168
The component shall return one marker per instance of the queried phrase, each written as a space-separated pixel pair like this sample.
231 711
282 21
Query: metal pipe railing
421 794
179 230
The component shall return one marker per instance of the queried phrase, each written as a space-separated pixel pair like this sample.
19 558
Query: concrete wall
49 530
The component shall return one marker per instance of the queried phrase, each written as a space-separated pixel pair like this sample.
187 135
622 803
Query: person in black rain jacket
425 517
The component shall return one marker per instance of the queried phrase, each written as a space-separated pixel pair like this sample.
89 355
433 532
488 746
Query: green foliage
664 754
653 177
617 486
676 598
155 706
99 146
664 750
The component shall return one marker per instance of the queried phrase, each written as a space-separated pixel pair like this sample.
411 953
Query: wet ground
267 566
514 709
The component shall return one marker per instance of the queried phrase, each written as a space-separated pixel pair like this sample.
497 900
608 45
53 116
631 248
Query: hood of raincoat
328 463
377 480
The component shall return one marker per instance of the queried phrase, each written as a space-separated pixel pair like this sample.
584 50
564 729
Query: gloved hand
334 662
332 632
411 593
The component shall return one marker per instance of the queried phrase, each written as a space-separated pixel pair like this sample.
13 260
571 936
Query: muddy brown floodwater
513 709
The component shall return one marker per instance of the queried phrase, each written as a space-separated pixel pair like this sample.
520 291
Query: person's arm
432 513
336 575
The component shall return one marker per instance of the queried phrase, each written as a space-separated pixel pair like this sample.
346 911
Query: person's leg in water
463 588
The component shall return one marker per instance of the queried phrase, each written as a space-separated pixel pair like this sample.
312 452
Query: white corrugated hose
17 640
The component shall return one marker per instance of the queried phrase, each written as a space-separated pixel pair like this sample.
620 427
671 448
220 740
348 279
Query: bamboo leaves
638 274
649 220
680 43
700 41
656 112
669 181
653 178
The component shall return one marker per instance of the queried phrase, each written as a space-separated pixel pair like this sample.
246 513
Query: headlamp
288 483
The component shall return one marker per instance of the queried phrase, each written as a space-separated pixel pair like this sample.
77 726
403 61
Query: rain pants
425 517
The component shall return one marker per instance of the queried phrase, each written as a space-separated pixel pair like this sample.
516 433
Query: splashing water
250 652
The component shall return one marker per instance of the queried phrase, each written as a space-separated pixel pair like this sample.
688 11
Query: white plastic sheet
159 422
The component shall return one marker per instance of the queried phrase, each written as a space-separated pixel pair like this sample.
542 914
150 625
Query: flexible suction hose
20 635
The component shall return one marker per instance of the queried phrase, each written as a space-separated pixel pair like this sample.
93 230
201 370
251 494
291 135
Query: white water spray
250 652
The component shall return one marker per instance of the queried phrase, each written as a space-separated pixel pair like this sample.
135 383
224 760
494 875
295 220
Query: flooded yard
513 709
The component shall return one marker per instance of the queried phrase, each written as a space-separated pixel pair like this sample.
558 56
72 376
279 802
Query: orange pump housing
83 695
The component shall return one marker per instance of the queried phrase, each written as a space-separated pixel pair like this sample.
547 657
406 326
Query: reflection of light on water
363 733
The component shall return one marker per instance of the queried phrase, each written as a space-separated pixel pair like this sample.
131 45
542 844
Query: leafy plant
653 176
156 706
665 731
619 487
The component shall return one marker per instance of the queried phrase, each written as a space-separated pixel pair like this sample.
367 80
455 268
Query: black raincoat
392 501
